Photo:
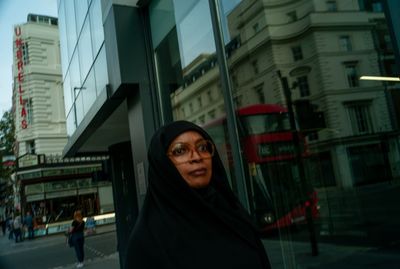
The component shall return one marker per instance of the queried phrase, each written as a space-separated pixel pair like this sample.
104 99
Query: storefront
52 188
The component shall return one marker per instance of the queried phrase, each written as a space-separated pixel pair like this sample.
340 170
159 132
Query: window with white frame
30 146
331 6
351 74
202 119
29 110
292 16
25 53
260 93
360 117
211 114
209 96
345 43
377 6
304 88
200 102
256 28
297 53
254 64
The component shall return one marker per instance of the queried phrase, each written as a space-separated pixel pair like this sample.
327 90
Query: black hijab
183 228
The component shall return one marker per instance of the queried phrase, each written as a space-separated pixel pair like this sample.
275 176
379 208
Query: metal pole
238 168
299 161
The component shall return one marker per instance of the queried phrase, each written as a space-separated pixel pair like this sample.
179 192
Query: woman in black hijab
191 218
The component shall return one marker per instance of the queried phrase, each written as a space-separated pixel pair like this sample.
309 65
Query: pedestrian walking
190 217
3 222
10 228
28 222
17 226
77 237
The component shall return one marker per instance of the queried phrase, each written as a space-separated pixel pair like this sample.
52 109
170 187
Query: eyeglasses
183 152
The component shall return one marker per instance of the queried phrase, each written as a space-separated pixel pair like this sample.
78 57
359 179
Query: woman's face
195 166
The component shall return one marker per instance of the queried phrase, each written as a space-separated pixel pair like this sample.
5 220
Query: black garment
78 239
184 228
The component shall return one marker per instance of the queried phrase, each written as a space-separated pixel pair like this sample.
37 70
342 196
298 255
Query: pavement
109 262
105 262
280 252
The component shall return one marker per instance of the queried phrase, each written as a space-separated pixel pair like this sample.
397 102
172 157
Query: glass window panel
71 26
63 39
81 8
89 91
85 51
71 127
96 26
101 73
74 71
345 43
186 66
68 96
349 150
80 110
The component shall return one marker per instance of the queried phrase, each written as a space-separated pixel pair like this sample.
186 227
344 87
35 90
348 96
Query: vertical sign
20 78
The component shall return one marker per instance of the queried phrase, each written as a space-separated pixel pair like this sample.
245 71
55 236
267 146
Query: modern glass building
310 145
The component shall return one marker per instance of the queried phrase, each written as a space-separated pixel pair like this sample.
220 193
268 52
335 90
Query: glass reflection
313 179
321 147
186 63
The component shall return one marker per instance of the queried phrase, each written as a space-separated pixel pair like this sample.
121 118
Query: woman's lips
199 172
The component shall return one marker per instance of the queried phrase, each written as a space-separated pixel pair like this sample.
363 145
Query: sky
14 12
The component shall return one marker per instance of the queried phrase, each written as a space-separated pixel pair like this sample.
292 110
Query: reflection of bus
274 185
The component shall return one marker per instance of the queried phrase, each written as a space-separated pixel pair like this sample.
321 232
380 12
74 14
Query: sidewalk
107 262
110 261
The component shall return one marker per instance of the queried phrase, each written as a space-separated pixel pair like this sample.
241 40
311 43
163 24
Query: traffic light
308 118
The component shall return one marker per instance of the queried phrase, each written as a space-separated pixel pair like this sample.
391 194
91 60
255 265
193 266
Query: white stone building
37 91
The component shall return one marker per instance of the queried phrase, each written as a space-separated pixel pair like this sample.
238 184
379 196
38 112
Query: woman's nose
195 156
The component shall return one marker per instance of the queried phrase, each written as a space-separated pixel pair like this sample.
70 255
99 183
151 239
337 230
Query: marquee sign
20 78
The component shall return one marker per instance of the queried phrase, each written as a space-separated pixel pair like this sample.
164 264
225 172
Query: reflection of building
309 41
49 186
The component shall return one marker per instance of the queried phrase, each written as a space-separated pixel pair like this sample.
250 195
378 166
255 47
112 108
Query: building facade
37 94
45 184
305 141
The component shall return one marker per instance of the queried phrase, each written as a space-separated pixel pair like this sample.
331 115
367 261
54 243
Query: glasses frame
192 149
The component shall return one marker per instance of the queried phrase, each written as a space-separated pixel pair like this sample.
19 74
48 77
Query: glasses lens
205 148
182 152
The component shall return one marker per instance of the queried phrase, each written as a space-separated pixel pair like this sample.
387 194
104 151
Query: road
52 252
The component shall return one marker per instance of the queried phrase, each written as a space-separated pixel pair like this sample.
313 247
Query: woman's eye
179 151
202 148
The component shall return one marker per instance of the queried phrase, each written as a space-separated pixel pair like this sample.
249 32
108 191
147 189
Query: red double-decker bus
277 193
